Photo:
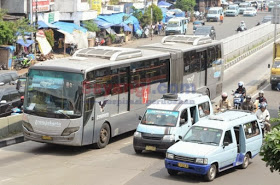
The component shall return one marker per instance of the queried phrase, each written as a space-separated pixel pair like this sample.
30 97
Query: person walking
221 18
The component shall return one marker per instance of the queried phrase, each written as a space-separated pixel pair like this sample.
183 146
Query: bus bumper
43 138
140 143
190 168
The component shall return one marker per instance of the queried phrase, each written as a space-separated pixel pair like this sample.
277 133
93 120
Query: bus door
203 68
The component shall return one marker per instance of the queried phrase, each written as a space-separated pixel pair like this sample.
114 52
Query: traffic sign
275 15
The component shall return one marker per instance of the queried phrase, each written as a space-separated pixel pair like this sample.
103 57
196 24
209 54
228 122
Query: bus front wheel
104 136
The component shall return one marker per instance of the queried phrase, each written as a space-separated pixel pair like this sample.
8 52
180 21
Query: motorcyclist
248 104
242 25
20 106
241 89
263 115
261 98
224 103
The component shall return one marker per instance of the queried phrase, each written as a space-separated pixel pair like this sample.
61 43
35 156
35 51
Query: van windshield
203 135
231 8
276 64
212 12
163 118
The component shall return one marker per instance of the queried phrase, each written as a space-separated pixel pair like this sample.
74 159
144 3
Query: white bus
101 91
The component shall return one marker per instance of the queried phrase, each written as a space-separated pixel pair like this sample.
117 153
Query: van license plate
183 165
151 148
46 138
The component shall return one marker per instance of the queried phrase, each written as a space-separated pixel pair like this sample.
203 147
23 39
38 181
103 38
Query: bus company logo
102 104
190 79
47 123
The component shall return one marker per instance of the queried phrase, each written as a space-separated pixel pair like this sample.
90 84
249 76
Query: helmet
224 95
240 84
22 97
242 22
248 97
261 92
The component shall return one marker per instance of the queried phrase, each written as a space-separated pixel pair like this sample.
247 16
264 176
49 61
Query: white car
251 11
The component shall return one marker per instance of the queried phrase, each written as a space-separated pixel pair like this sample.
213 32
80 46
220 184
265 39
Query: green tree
9 30
185 5
271 149
91 26
157 13
145 19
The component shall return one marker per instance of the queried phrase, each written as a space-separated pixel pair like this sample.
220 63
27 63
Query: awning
68 27
103 24
42 24
25 43
125 26
69 39
163 3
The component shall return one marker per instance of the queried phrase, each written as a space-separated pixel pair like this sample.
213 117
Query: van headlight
169 156
69 131
201 161
137 134
169 138
27 126
273 78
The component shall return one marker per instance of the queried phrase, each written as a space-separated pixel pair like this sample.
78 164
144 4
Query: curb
262 81
12 141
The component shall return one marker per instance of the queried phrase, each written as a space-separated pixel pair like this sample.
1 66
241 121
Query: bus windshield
276 64
173 24
203 135
160 118
54 94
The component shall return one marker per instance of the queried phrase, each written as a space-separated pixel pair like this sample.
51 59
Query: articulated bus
100 92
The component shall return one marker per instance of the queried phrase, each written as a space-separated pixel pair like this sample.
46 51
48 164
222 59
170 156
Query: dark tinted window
228 137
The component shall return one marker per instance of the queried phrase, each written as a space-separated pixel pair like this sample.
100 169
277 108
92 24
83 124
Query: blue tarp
42 24
68 27
27 43
163 10
117 19
103 24
163 3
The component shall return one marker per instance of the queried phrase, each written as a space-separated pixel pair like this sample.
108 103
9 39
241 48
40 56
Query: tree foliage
9 30
271 149
50 36
91 26
185 5
145 18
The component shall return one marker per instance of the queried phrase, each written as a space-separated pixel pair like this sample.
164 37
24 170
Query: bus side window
89 106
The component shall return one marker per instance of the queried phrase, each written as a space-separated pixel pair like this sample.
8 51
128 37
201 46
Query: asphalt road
36 163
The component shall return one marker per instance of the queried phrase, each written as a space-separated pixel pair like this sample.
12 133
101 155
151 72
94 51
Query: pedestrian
261 7
221 18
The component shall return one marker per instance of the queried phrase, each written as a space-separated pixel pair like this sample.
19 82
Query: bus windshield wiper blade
195 140
210 142
63 114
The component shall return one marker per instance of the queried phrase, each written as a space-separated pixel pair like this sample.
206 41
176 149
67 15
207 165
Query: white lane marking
4 180
127 143
261 90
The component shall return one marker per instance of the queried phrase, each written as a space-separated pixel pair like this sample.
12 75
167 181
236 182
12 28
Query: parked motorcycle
22 62
72 49
99 42
16 111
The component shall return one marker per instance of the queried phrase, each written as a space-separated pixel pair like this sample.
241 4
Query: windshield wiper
210 142
195 140
63 114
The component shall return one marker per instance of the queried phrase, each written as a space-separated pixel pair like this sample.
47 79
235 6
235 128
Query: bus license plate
46 138
151 148
183 165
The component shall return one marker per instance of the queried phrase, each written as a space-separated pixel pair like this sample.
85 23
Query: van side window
228 137
184 116
193 114
251 129
204 109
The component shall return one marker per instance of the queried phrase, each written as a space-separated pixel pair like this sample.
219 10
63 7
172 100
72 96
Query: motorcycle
22 62
237 100
99 42
72 49
262 124
241 28
146 32
16 111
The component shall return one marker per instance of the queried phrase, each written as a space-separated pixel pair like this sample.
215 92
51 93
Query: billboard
96 5
42 5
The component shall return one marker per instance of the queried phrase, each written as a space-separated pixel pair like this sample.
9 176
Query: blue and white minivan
215 144
232 10
168 118
214 14
177 26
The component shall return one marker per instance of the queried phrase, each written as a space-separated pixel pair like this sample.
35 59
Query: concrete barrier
10 125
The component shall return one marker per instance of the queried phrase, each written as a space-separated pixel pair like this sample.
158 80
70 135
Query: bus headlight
137 134
201 160
169 138
69 131
27 126
169 156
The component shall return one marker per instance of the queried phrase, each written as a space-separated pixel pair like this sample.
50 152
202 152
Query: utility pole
36 23
31 22
152 21
275 19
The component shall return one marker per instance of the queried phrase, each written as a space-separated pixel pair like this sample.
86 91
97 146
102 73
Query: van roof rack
187 39
111 53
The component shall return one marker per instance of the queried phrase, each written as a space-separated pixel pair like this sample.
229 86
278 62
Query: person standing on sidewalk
221 18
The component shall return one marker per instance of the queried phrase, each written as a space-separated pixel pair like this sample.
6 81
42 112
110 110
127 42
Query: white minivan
214 14
168 118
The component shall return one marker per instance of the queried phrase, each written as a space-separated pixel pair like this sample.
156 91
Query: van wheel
211 174
172 172
137 151
104 136
245 163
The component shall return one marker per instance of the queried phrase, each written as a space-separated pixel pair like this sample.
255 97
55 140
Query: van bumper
172 32
192 168
140 143
212 19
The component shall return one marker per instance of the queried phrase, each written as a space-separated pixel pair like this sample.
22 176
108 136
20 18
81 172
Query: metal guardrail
241 42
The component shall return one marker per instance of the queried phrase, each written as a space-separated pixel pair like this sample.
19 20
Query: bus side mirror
140 118
180 137
268 65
